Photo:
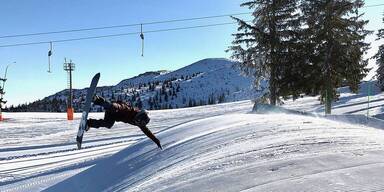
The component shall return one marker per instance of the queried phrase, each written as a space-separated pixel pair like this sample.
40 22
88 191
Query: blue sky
117 58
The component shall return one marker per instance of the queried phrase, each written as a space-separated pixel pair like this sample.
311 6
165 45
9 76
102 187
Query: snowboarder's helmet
141 118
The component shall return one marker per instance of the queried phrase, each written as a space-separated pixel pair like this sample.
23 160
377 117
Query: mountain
208 81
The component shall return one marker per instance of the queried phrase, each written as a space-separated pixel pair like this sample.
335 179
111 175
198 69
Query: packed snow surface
220 147
369 100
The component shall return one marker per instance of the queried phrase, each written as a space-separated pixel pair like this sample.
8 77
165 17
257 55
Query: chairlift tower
69 67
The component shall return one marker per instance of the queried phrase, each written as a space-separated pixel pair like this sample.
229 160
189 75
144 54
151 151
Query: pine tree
165 97
263 46
222 98
112 96
150 103
380 60
178 88
335 39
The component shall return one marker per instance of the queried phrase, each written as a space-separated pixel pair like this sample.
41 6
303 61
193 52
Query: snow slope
38 150
244 152
222 147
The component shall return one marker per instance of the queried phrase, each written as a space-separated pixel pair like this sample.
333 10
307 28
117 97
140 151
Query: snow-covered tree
265 45
380 60
335 39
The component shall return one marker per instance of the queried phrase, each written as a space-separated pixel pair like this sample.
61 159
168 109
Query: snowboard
87 106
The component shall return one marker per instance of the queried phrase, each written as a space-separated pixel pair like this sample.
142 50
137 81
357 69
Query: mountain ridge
207 81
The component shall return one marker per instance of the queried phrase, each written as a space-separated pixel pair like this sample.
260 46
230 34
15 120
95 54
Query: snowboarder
121 111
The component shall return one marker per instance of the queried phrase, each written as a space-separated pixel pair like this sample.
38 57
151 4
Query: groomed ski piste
223 147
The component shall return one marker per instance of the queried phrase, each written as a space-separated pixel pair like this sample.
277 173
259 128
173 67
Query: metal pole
70 84
49 57
69 67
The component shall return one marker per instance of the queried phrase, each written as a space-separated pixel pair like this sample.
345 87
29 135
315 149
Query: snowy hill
209 148
244 152
208 81
142 78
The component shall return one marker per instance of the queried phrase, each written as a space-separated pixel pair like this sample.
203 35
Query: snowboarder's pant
107 122
100 123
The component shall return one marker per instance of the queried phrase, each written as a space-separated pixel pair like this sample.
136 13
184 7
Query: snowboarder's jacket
121 111
117 111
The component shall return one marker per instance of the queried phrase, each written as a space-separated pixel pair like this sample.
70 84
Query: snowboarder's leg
107 122
97 123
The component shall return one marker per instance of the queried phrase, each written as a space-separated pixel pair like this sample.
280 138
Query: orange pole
70 113
1 117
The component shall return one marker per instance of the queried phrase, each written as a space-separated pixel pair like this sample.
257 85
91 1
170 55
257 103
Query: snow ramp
245 152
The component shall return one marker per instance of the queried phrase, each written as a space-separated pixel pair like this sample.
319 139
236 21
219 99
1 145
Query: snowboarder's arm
149 134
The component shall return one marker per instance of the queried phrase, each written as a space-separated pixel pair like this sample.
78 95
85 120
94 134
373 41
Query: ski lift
49 57
142 40
2 88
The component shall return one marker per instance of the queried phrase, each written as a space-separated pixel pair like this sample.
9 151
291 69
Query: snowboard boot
97 100
87 127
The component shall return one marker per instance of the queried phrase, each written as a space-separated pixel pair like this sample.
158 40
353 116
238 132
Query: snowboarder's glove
149 134
160 146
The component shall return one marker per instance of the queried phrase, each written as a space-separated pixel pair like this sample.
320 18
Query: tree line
303 46
151 95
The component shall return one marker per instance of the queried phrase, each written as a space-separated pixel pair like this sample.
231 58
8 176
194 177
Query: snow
223 147
349 103
236 152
